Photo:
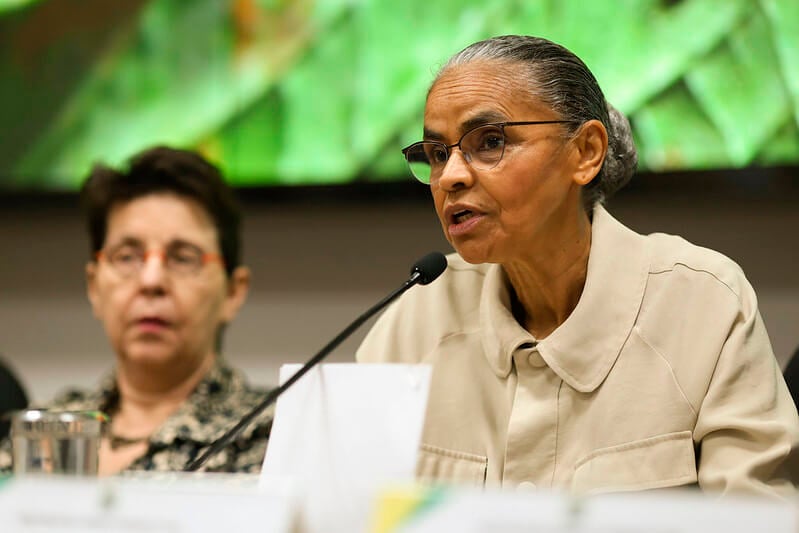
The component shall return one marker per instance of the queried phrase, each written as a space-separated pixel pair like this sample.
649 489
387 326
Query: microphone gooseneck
423 271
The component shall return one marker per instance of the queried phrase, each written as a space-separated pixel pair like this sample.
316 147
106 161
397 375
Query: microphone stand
223 441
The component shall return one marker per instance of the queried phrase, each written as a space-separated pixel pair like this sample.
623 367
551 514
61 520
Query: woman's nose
457 173
153 271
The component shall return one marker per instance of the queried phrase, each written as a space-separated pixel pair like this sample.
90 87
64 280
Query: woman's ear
238 287
591 143
91 287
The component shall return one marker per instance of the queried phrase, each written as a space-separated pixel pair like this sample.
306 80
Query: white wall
318 264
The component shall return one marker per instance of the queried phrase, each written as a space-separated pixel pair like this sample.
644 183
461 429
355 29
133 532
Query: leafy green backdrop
327 91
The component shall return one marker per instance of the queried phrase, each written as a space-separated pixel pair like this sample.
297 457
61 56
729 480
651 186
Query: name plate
209 503
418 509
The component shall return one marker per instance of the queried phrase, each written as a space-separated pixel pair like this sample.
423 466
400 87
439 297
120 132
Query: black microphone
423 271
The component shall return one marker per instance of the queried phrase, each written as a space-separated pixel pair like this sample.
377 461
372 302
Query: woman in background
165 278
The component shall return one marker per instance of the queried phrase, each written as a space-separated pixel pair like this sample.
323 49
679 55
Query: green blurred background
328 91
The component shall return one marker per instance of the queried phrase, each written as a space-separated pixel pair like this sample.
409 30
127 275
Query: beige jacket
663 375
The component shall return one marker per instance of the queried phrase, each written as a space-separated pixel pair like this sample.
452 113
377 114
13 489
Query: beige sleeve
408 330
747 426
382 343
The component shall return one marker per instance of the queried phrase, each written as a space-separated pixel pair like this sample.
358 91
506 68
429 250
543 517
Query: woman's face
531 197
155 316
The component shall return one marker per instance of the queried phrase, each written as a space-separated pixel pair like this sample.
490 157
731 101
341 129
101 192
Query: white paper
343 430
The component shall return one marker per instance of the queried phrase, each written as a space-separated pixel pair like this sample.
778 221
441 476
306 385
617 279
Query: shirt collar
584 348
104 397
206 414
501 334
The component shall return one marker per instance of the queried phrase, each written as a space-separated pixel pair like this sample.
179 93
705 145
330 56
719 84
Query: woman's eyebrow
484 117
430 135
177 243
126 240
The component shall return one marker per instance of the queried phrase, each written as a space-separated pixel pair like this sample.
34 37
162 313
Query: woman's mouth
463 222
152 324
462 216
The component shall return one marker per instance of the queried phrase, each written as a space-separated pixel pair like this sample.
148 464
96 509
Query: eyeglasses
482 147
181 259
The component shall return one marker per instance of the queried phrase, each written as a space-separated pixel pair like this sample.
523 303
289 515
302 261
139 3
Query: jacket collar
584 348
209 411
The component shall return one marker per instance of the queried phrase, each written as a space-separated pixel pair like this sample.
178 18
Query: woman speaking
569 351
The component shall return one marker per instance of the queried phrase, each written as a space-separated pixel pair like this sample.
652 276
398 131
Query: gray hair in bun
621 159
561 80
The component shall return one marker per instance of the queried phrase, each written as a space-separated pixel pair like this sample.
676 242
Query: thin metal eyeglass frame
467 156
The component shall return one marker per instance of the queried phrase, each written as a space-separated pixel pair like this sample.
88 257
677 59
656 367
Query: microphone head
429 267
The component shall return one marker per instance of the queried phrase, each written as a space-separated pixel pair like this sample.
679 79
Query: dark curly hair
157 170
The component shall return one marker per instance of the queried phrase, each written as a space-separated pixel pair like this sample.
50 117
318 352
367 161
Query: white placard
342 431
207 504
673 511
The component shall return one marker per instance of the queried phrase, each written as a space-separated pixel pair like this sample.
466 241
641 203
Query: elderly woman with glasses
164 279
569 351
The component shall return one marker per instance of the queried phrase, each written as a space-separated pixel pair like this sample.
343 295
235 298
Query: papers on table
347 429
